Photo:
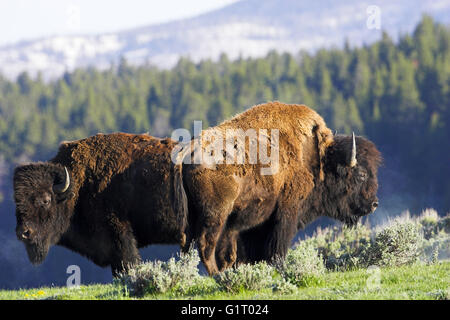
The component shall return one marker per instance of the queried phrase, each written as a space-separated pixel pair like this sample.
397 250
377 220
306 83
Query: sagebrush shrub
397 244
283 286
444 224
246 277
302 266
429 221
436 248
436 232
342 248
159 277
402 241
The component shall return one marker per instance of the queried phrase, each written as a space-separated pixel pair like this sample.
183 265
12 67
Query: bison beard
103 197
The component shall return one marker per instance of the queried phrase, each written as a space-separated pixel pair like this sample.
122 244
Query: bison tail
180 203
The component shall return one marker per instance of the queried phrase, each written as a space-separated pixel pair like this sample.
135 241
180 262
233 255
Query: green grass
417 281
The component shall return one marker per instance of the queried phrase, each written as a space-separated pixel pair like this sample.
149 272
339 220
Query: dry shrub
245 277
398 244
160 277
303 266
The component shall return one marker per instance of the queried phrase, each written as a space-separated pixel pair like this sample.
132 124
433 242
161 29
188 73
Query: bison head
41 191
351 183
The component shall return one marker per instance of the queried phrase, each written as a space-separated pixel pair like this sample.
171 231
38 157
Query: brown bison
103 197
239 213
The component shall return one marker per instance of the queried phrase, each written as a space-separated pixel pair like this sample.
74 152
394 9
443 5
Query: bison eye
43 201
362 175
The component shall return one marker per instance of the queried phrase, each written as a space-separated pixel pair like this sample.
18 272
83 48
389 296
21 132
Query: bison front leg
226 249
210 225
207 242
125 253
282 233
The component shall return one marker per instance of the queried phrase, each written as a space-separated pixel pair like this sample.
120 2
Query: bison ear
342 171
324 138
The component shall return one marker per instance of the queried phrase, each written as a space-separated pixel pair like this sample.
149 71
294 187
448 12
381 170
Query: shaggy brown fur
125 193
237 214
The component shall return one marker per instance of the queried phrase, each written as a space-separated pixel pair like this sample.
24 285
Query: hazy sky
28 19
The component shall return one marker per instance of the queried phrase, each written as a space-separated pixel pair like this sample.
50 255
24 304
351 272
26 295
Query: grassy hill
407 258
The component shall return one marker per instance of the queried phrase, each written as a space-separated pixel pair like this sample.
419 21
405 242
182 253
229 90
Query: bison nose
374 205
26 234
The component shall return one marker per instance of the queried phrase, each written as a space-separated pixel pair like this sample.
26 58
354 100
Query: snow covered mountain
247 28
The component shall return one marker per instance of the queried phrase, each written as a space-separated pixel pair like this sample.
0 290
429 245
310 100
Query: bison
108 195
238 214
104 197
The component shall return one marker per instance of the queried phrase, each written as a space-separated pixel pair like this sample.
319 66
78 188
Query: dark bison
238 214
103 197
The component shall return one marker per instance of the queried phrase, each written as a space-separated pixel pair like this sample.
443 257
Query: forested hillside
397 94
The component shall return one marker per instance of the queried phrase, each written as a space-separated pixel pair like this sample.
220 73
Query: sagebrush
302 266
246 277
160 277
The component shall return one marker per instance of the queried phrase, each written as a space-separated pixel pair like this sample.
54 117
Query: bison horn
62 187
353 161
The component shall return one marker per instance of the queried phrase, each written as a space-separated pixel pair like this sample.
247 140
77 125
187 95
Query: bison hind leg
251 244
